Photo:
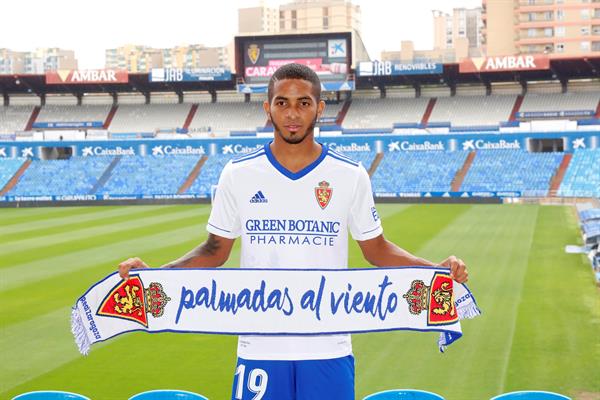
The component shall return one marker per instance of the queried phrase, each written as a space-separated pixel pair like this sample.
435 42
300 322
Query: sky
90 27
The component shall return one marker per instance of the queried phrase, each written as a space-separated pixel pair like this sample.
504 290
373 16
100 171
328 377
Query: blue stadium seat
209 175
582 178
167 395
423 171
50 395
404 394
512 170
531 395
151 175
75 176
8 167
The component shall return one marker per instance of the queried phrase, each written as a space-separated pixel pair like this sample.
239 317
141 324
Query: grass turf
540 328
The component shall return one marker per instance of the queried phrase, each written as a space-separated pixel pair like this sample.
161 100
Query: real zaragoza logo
437 299
129 300
323 193
253 53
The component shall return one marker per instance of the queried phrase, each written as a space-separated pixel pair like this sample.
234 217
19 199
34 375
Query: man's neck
296 157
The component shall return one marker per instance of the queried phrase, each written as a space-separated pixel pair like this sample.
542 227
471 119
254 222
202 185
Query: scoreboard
258 57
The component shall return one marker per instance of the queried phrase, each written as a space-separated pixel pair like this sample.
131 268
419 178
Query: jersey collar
295 175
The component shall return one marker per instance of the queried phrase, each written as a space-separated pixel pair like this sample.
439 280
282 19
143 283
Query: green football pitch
540 328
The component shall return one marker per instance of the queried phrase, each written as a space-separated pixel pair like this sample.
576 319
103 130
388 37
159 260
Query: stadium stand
332 109
589 219
229 116
69 113
209 175
14 118
8 167
149 117
582 178
417 172
135 175
510 170
383 113
76 176
560 102
458 110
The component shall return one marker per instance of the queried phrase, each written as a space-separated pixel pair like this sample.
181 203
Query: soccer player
293 203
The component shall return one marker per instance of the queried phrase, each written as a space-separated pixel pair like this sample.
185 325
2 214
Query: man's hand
129 264
458 270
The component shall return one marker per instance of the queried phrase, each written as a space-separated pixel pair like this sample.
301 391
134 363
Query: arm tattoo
210 247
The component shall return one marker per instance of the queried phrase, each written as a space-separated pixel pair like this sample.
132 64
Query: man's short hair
295 71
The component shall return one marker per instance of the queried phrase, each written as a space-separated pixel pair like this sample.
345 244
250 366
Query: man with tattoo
293 202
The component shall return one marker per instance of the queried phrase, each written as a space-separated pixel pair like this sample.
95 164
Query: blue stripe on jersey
249 156
295 175
337 153
342 158
221 229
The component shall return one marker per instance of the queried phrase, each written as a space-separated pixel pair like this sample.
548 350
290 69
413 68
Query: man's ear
320 108
267 108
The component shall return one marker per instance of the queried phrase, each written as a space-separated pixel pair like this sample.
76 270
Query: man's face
293 110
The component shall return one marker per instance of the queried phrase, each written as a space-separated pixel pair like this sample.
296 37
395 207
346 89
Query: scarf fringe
79 333
468 311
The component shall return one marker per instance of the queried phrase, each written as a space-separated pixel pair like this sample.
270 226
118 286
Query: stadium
495 159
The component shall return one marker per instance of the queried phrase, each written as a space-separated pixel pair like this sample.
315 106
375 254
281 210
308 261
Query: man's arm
380 252
210 254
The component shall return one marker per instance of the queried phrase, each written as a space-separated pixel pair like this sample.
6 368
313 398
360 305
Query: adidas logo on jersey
259 197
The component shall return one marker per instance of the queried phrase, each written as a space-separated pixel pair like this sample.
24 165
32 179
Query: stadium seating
50 395
167 395
14 118
225 117
404 394
417 171
510 170
332 110
75 176
209 175
157 175
149 117
8 167
383 113
64 113
560 102
531 395
582 178
458 110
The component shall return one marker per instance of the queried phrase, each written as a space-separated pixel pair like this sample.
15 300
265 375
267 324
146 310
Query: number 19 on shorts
255 380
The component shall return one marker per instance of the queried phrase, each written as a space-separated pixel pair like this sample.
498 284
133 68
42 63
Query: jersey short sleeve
364 222
224 217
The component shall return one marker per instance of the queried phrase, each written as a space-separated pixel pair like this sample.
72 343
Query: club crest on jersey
323 193
129 300
253 53
437 299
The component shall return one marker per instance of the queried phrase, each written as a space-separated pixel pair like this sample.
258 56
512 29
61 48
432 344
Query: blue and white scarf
273 302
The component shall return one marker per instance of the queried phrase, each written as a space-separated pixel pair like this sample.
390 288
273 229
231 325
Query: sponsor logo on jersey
131 301
437 299
323 194
259 197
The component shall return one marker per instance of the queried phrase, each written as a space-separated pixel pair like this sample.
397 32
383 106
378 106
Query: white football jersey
294 220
